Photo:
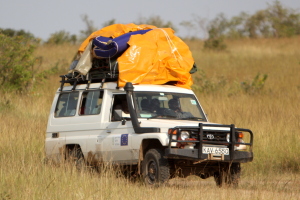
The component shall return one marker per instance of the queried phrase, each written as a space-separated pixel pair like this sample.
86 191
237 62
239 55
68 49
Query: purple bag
104 47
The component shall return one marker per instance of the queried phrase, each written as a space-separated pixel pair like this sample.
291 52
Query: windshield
167 105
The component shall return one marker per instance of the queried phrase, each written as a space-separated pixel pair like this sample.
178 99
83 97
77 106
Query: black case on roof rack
102 71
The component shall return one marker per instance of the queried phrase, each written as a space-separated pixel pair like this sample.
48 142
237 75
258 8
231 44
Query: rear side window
66 104
91 102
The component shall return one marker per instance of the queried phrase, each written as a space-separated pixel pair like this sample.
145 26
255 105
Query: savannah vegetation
253 83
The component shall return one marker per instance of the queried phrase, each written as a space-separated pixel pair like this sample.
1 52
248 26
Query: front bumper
197 155
193 154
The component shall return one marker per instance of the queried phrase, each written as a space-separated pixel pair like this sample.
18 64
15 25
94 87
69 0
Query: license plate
215 150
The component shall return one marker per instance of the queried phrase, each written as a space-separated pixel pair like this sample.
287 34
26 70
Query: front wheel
155 168
228 174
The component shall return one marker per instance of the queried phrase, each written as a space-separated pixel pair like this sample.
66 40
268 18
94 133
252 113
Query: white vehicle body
103 139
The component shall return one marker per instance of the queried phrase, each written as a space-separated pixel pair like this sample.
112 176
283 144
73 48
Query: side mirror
117 115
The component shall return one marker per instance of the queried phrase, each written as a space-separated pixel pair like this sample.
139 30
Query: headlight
228 137
184 135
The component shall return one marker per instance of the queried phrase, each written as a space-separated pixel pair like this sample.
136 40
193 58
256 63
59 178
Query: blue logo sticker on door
124 140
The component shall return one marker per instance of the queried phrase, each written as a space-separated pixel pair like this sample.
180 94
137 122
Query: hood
165 124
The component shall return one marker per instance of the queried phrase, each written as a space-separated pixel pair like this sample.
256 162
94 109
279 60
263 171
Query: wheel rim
152 172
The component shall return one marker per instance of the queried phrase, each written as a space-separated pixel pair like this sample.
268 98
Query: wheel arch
72 146
146 144
151 143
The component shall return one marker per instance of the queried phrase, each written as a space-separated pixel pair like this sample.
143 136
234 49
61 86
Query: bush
203 84
256 85
216 44
17 63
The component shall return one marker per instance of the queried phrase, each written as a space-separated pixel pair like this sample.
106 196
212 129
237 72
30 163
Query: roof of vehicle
142 87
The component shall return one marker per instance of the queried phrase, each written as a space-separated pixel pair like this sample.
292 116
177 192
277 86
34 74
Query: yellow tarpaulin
114 31
156 57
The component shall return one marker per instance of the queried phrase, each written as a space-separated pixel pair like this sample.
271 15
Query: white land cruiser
160 131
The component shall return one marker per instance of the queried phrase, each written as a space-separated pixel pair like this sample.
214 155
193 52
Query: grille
212 136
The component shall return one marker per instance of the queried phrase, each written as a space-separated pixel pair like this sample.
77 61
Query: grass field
272 112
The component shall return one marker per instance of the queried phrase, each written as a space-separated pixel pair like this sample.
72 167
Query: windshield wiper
193 118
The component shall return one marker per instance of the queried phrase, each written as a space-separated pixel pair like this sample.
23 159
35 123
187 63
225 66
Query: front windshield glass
167 105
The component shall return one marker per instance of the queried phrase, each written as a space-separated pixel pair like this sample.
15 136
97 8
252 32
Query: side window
66 104
91 102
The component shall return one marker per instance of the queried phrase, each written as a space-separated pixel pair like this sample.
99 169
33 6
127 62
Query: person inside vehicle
174 105
175 110
145 105
155 106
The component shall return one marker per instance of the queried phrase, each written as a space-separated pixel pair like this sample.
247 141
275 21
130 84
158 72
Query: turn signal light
240 135
172 131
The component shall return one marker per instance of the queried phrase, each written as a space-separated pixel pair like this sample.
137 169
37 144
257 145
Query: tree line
18 65
274 21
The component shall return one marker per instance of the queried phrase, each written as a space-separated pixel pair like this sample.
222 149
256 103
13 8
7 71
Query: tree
274 21
109 22
285 22
61 37
216 31
12 33
236 26
156 21
189 26
258 25
90 28
201 26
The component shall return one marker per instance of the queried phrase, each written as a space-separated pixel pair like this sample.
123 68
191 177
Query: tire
155 168
74 157
228 175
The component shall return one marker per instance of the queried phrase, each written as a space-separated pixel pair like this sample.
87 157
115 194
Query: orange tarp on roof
156 57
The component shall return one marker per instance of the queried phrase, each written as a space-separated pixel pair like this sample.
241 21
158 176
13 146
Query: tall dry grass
273 115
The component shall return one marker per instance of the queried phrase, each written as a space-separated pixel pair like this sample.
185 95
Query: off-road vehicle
157 131
128 104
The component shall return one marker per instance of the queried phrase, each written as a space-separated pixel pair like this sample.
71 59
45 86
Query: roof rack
93 76
100 72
